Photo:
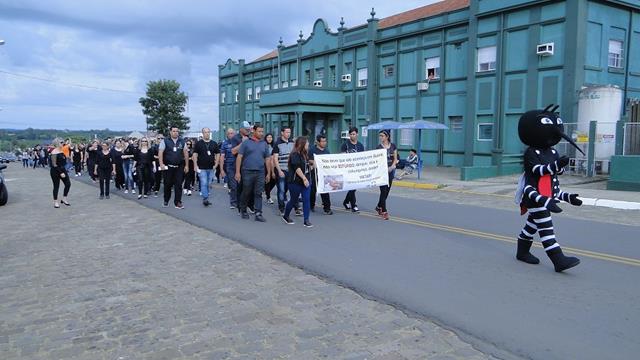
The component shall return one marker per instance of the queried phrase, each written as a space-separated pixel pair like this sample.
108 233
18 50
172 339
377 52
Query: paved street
454 263
116 280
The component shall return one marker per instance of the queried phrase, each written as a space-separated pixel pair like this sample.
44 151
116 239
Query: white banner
351 171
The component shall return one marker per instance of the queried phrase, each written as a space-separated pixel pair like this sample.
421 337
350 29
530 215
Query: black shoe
101 197
244 215
346 205
65 203
107 197
560 261
299 212
206 202
179 206
523 253
251 210
287 220
166 204
328 212
139 196
260 218
307 224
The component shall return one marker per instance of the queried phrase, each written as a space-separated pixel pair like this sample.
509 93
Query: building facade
474 65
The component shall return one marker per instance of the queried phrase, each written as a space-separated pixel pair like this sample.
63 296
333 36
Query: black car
4 195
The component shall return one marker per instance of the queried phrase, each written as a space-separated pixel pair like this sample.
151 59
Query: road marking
490 236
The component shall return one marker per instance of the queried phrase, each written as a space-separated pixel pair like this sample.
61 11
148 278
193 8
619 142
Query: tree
164 106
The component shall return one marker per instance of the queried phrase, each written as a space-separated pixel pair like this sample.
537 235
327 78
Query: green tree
164 106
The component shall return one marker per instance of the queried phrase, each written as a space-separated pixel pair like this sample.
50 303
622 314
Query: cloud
122 44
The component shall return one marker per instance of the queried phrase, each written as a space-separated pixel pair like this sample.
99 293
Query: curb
614 204
414 185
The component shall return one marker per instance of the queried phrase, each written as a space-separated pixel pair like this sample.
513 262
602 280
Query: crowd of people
251 164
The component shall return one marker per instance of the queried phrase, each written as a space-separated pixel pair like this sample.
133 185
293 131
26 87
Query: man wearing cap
250 169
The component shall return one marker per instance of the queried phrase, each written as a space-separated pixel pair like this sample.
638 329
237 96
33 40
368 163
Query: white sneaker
184 191
270 201
126 191
225 185
189 192
133 191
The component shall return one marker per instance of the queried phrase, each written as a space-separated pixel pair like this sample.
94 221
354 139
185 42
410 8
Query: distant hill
10 139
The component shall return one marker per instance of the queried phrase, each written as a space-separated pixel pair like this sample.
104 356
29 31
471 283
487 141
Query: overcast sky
123 44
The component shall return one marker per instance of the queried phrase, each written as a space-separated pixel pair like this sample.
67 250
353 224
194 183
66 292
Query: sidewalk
112 279
592 190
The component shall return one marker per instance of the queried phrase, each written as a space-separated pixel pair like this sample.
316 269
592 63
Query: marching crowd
250 163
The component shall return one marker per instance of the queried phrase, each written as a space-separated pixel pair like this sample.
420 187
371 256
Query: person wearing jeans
299 184
392 161
205 158
127 168
228 163
281 150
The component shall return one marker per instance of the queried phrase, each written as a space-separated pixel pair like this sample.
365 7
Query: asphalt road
455 264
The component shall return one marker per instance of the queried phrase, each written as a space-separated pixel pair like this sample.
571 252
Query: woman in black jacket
145 167
59 173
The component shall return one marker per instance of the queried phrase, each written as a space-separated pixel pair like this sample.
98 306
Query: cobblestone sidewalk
114 280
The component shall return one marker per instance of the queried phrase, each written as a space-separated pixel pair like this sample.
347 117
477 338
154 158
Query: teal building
474 65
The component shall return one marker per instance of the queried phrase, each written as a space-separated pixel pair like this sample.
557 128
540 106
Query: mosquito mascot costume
539 188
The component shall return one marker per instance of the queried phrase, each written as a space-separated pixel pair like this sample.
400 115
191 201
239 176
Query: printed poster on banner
351 171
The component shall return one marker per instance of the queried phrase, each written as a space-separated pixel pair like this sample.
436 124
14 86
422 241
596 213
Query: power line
57 82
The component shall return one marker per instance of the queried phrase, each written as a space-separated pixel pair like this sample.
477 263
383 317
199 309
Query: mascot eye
546 121
559 121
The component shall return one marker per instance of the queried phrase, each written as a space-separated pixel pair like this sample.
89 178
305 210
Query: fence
631 139
596 140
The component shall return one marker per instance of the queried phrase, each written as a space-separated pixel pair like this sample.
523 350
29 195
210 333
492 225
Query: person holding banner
298 180
352 146
319 149
392 160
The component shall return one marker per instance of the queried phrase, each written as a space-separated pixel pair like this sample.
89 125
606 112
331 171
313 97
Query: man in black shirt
319 149
206 155
173 157
351 146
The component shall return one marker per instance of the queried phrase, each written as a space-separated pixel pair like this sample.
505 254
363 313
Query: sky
80 65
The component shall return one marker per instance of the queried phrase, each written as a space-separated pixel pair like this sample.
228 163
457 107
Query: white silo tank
602 104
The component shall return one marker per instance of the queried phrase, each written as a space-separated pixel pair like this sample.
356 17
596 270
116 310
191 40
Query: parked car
4 195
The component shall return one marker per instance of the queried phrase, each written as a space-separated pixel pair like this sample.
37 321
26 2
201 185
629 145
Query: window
388 71
455 124
332 75
347 68
275 86
294 82
249 94
432 68
307 77
223 97
362 77
406 137
267 87
615 54
237 97
257 92
319 74
285 84
485 132
487 58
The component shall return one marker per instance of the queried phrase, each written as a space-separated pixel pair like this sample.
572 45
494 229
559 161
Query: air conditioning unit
423 86
544 49
346 78
317 83
344 134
